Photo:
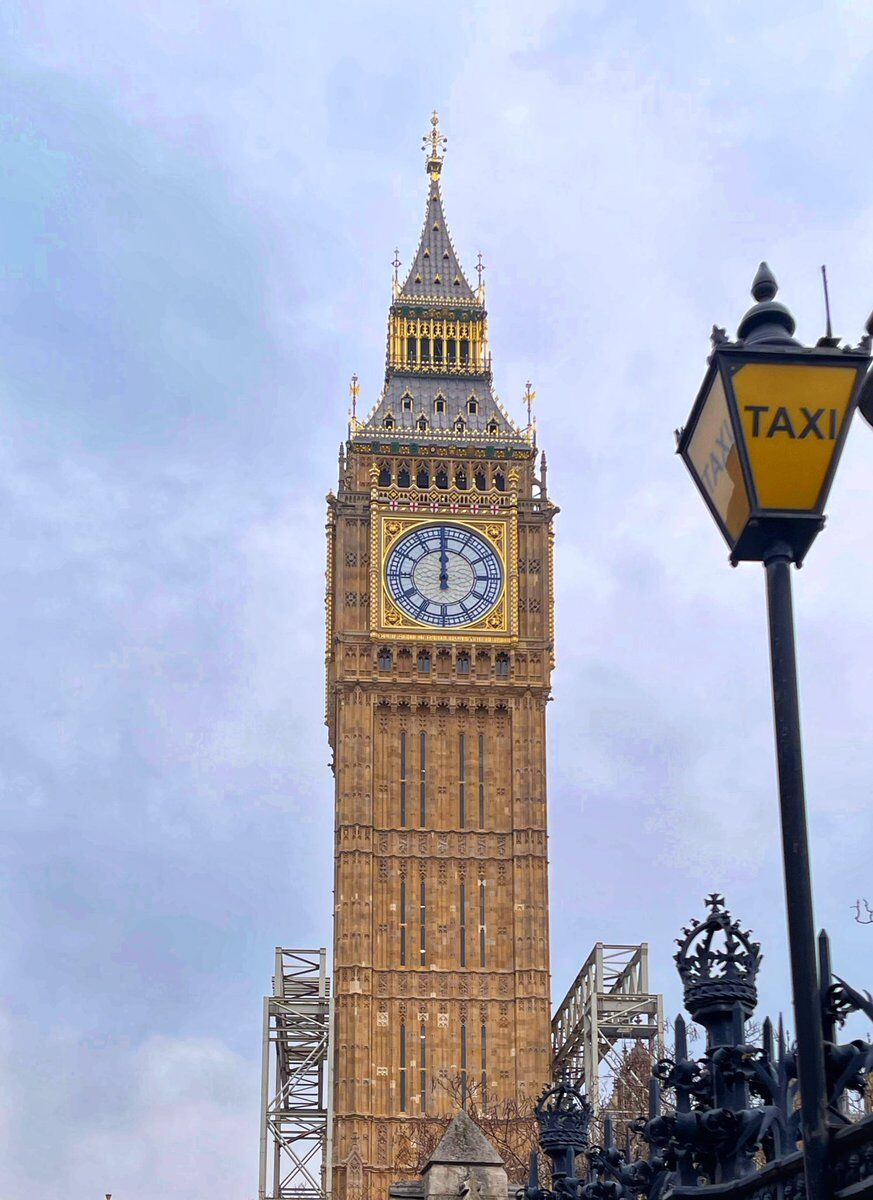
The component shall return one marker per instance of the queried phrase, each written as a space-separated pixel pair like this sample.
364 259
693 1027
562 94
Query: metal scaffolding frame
607 1011
295 1099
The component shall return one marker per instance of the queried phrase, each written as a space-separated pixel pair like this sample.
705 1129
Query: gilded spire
435 274
434 144
438 369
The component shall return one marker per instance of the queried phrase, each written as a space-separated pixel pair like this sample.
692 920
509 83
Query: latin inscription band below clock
444 575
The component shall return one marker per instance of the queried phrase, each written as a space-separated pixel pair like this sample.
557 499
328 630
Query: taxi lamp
762 444
768 427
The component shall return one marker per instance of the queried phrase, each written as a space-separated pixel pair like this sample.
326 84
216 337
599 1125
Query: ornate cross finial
529 397
480 267
434 144
395 263
354 392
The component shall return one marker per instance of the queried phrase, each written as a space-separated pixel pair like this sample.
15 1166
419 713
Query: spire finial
395 263
354 392
529 397
434 144
480 267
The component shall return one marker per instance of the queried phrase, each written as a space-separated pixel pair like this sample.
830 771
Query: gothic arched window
452 350
461 479
460 425
389 422
422 424
406 402
499 481
472 406
411 349
439 404
493 428
384 659
481 482
463 663
403 477
442 478
423 662
422 478
384 475
502 664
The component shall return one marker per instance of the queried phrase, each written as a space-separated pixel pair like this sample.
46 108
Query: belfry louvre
439 658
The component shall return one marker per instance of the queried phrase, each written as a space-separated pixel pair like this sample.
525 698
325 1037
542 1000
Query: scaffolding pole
606 1015
294 1163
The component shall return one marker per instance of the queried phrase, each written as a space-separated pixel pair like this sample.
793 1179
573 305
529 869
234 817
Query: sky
199 205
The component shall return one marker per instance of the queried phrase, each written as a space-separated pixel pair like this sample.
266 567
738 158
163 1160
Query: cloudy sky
199 204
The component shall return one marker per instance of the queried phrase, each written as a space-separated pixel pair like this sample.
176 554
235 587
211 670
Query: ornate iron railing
725 1124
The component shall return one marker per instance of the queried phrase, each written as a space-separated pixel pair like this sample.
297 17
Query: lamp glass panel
713 455
792 415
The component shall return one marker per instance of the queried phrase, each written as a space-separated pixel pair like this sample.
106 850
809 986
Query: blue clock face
444 575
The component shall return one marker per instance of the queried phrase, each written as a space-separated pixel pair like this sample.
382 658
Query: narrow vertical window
422 798
423 1066
462 780
403 922
462 906
481 922
481 780
402 1066
403 778
422 908
463 1066
484 1035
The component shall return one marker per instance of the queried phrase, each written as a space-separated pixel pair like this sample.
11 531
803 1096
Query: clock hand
444 561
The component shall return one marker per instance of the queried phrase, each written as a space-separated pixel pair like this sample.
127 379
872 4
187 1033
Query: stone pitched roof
464 1142
436 272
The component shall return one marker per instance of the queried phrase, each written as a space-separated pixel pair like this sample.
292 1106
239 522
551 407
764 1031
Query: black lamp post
762 444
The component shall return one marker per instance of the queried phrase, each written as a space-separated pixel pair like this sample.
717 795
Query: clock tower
439 656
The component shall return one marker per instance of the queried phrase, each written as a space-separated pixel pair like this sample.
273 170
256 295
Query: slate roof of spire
424 391
436 272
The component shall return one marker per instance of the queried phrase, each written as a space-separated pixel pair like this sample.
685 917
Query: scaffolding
295 1103
609 1028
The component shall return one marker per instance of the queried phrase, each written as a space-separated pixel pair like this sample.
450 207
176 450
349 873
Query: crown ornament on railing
564 1117
718 963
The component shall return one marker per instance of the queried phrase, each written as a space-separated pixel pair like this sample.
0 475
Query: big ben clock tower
439 656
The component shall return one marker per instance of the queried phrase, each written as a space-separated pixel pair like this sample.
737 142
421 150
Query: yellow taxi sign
792 417
714 458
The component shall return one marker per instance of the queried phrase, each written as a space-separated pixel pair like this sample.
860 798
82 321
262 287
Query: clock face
444 575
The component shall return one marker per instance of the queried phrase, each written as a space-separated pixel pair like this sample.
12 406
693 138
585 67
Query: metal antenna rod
824 279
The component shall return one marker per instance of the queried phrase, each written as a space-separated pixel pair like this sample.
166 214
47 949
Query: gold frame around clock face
387 619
